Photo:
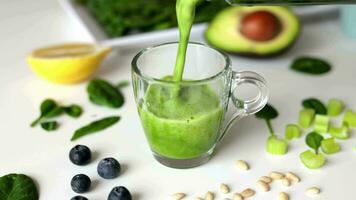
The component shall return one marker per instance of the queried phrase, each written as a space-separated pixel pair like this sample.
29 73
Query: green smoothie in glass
182 91
181 122
184 125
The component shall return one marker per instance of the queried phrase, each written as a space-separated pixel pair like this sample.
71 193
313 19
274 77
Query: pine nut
224 188
243 165
247 193
209 196
199 198
266 179
286 182
312 191
293 177
263 186
276 175
238 196
178 196
283 196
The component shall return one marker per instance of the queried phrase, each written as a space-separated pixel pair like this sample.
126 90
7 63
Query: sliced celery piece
276 146
350 118
292 131
312 160
329 146
335 107
341 133
306 117
321 123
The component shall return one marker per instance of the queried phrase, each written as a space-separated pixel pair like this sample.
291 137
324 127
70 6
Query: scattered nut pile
263 185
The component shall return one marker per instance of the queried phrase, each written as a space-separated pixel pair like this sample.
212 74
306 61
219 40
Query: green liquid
184 126
185 15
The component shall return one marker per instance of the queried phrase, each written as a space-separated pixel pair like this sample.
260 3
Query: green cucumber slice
292 131
306 117
276 146
312 160
335 107
329 146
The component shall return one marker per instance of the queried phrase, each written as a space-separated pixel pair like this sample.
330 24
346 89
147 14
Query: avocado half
259 31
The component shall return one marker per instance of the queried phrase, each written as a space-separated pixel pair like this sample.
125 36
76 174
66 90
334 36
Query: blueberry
80 183
78 198
109 168
80 155
119 193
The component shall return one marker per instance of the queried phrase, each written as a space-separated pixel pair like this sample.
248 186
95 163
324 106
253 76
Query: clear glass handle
246 107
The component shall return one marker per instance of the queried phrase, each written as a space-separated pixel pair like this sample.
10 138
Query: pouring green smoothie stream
181 122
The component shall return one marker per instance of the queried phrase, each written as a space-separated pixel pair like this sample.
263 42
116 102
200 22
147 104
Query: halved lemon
67 63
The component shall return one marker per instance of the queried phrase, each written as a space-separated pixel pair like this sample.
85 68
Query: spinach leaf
49 109
103 93
313 140
267 113
122 84
316 105
47 105
49 126
123 17
17 187
311 65
95 126
73 110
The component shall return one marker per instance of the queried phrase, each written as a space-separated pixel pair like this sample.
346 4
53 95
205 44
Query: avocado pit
260 26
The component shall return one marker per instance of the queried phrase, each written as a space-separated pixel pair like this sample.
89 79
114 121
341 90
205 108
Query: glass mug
184 121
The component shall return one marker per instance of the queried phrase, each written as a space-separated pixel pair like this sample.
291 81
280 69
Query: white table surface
44 156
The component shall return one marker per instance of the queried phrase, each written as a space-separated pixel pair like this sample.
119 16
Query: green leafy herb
311 65
267 113
124 17
49 109
313 140
103 93
316 105
49 126
95 126
123 84
73 111
17 187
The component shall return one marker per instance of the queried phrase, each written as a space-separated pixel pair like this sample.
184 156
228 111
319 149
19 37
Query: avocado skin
250 54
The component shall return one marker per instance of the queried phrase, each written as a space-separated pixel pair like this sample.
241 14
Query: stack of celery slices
318 117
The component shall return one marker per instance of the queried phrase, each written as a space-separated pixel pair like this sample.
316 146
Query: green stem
122 84
270 129
34 123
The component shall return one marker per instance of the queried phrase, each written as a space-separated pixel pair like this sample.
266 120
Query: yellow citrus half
67 63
